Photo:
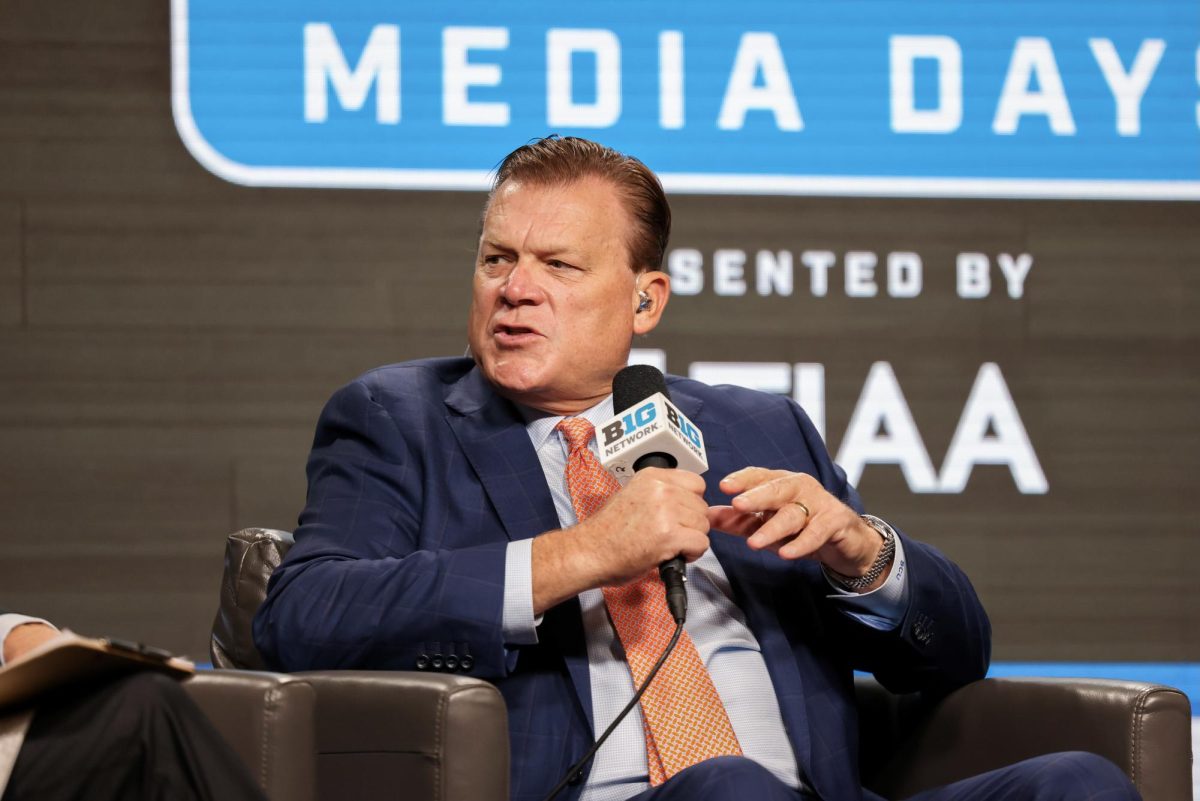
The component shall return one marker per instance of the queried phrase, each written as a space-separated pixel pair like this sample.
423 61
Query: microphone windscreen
635 383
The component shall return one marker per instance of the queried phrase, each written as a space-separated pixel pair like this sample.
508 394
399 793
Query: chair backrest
251 556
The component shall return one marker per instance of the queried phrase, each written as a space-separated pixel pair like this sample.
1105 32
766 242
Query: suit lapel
492 434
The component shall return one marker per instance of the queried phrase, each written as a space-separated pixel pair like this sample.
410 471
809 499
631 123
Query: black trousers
137 737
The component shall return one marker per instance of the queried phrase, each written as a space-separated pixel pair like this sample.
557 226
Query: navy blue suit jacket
420 475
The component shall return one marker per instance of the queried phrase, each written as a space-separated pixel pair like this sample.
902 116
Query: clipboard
70 659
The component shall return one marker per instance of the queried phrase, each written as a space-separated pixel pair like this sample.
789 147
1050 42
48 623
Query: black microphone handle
672 572
673 576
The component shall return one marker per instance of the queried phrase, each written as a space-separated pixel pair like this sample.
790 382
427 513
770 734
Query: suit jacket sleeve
364 586
943 640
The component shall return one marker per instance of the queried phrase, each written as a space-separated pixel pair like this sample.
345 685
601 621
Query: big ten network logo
639 430
637 422
882 430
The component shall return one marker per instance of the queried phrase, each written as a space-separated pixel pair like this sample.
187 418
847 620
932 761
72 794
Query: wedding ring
807 514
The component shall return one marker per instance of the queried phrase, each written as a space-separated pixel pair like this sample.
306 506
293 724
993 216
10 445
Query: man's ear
653 291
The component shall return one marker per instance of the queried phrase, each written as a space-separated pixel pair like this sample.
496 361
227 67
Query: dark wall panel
167 340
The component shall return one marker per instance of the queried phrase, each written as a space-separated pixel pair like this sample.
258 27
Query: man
133 738
456 518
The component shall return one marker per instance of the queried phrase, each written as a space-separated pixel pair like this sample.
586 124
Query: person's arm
20 634
658 515
939 636
361 588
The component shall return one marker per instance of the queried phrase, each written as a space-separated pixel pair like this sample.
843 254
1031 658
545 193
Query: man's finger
806 543
730 520
781 527
685 479
747 478
775 494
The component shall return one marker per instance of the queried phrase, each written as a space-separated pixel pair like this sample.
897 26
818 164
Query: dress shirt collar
541 425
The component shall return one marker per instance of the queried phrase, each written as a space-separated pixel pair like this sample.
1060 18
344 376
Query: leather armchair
393 735
375 735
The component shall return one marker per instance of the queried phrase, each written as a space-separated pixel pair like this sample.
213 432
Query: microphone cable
578 766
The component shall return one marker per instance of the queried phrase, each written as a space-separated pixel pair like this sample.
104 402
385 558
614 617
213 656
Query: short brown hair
558 160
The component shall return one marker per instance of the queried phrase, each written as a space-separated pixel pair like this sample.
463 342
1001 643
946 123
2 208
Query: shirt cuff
883 607
520 626
8 622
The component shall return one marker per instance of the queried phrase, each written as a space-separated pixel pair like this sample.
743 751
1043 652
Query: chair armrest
393 734
269 720
1145 729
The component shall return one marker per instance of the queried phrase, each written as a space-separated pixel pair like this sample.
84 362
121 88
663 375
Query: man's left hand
797 518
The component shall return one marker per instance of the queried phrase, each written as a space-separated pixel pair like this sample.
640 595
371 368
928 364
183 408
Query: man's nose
521 285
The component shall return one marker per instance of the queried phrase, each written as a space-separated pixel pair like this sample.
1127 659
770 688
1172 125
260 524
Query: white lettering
818 263
325 63
947 115
1128 87
860 274
670 80
990 406
974 280
1015 270
1033 57
882 431
686 266
773 272
561 108
905 276
759 52
728 272
459 75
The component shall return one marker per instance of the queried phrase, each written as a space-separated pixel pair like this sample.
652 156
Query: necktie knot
577 430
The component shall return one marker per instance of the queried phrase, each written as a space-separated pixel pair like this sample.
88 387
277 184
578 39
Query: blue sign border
677 182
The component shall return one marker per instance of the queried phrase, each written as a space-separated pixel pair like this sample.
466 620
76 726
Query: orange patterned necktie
682 715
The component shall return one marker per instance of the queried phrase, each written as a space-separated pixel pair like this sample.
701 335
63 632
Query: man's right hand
658 515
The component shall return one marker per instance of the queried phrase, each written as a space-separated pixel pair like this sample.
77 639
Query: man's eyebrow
493 244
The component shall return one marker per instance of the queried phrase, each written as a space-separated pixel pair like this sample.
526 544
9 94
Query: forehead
585 211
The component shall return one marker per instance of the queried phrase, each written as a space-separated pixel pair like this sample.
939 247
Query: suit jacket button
423 662
466 662
452 662
437 662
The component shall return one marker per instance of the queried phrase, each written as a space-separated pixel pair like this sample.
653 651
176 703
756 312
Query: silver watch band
881 563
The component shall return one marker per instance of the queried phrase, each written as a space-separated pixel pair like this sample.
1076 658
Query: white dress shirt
716 625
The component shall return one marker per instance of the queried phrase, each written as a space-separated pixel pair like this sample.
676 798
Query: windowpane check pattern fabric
684 720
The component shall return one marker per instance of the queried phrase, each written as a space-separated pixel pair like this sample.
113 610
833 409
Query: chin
516 379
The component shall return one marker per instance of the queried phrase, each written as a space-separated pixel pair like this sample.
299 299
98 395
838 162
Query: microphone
650 431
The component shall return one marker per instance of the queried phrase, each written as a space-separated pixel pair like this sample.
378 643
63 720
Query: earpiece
644 300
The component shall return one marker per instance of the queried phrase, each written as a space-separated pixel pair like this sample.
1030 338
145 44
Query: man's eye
493 258
561 265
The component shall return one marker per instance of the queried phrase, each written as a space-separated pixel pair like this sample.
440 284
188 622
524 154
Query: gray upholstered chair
444 737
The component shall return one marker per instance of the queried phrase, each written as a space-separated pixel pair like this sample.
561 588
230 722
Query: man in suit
136 737
457 520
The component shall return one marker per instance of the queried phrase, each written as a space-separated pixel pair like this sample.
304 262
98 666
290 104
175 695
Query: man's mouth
515 334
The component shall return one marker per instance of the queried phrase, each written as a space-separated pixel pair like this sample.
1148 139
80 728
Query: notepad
70 659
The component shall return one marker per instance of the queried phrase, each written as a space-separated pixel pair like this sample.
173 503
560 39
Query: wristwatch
881 563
